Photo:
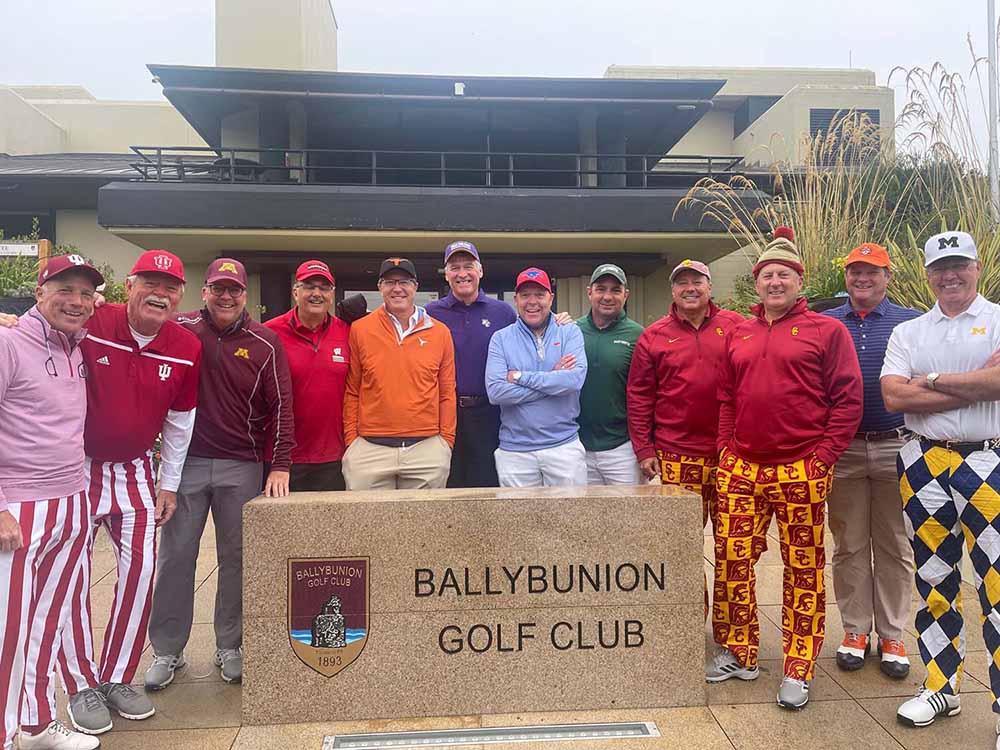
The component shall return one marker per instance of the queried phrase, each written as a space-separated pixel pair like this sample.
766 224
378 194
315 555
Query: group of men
753 415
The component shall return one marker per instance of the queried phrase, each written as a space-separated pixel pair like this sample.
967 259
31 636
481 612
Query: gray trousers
224 487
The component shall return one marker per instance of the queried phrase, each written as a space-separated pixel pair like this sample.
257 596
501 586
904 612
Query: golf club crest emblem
328 611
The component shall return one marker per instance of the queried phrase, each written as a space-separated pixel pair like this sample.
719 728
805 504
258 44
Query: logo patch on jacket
979 331
338 354
719 331
486 323
242 352
795 330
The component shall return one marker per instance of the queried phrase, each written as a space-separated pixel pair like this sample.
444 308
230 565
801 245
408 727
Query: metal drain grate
490 735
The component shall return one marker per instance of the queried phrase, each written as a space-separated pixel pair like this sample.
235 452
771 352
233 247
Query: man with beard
790 394
244 400
673 405
942 370
316 344
534 373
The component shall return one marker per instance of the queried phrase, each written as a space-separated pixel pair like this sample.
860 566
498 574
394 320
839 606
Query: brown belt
876 436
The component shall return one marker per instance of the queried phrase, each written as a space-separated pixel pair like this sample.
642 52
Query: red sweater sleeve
727 395
641 398
844 391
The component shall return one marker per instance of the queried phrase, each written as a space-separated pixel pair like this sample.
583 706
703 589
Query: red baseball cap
160 261
226 269
62 263
533 276
314 268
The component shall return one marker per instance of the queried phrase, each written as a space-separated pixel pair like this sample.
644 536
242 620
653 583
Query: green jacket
603 421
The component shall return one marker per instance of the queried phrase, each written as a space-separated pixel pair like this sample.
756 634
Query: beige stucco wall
80 229
712 135
26 130
776 135
275 34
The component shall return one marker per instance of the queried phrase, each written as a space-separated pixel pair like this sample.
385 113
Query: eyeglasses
397 282
222 290
942 266
325 288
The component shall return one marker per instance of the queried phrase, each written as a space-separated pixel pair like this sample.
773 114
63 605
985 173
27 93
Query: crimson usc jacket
790 388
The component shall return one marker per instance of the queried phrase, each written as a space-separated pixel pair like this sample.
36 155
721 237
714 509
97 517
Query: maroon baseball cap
691 265
226 269
314 268
160 261
533 276
62 263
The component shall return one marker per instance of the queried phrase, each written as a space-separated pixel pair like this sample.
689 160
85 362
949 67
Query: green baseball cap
608 269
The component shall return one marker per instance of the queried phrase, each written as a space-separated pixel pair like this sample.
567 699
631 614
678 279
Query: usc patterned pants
749 494
948 495
695 473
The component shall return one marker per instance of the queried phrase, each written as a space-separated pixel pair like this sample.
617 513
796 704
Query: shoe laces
893 647
226 654
57 727
856 640
122 689
724 656
166 660
93 699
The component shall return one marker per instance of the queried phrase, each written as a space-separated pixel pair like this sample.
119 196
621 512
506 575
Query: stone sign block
409 603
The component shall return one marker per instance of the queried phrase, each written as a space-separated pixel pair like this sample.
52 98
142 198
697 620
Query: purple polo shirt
472 327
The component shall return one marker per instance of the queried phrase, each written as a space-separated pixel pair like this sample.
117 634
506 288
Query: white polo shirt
936 343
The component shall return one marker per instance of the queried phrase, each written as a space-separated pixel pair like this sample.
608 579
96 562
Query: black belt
395 442
876 436
471 402
990 444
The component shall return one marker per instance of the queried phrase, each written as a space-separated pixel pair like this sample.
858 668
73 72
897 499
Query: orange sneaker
852 652
894 662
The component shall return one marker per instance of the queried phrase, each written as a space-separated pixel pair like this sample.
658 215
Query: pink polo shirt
43 407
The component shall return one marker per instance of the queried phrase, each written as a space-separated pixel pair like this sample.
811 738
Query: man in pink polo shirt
44 518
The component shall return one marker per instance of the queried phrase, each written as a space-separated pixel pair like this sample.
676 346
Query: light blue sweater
538 411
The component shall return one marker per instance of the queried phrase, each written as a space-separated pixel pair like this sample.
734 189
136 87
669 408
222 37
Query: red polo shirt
318 361
130 390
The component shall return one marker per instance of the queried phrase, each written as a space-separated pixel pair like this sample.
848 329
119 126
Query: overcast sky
105 44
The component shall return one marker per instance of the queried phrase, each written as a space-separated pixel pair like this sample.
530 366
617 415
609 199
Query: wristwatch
517 375
932 379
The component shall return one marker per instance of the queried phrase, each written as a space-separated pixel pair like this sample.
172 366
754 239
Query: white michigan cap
949 245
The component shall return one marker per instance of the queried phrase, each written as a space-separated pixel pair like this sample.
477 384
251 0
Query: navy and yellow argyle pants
948 495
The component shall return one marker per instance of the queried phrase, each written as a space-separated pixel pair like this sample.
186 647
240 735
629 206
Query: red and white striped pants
36 582
122 500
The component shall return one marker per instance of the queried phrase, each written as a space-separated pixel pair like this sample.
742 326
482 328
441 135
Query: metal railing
421 168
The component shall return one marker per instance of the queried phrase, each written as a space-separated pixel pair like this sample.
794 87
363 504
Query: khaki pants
424 465
872 559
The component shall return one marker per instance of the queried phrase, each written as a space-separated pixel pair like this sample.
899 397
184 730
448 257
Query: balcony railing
422 168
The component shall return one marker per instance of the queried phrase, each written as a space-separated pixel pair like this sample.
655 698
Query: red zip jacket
244 393
789 388
318 362
673 384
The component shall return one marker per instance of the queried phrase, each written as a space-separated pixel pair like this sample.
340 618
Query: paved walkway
846 710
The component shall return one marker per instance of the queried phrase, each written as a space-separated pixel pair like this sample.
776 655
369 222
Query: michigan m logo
979 331
944 242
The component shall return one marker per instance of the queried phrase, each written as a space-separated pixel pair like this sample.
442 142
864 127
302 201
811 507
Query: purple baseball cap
461 246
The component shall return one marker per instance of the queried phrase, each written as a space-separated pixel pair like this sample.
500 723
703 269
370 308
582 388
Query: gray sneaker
793 694
725 666
127 701
230 663
88 712
161 671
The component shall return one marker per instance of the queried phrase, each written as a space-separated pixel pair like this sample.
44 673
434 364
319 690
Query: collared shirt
936 343
412 323
472 327
603 416
871 333
43 406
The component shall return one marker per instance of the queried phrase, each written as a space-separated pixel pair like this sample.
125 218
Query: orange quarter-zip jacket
789 388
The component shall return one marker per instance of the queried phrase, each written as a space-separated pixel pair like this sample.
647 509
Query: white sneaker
57 737
725 666
922 710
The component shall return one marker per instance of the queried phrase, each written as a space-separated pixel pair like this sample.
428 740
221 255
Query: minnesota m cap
226 269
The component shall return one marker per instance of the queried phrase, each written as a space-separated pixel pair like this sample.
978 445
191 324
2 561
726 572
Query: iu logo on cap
77 260
162 262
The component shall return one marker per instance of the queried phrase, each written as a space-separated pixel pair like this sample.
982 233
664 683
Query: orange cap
871 253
